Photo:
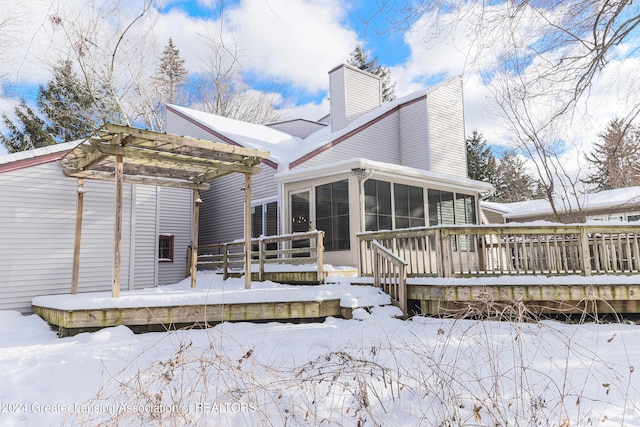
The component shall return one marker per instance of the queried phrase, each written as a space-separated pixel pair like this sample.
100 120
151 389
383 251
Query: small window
165 248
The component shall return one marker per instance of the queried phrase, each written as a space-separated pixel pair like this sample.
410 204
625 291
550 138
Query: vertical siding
175 219
37 225
414 136
146 244
445 115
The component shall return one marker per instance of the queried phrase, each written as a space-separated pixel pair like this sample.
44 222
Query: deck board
70 322
550 298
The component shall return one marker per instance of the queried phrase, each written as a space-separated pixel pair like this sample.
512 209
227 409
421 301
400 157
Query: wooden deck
140 319
550 269
546 299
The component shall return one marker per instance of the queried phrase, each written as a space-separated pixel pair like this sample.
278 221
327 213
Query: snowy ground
371 371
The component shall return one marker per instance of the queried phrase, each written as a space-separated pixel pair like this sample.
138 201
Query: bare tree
541 59
222 89
107 42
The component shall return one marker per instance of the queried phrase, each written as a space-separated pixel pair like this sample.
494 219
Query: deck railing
473 250
296 248
390 274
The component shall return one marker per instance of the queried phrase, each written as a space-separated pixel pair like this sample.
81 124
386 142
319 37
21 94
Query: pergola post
247 230
194 236
76 244
117 227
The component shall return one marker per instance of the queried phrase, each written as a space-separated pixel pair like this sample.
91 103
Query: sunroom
348 197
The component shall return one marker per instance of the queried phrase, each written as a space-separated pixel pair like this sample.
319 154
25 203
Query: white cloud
293 40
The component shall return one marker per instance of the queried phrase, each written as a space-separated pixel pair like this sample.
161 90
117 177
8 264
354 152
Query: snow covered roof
37 152
260 137
609 199
283 147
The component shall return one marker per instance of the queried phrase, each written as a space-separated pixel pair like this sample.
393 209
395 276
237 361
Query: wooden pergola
124 154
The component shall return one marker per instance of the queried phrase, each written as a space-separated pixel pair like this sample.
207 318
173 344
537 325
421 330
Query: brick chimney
352 93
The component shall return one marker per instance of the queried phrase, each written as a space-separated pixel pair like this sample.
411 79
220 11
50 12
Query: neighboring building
620 204
37 224
366 166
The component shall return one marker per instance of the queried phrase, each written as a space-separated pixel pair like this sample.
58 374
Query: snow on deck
211 289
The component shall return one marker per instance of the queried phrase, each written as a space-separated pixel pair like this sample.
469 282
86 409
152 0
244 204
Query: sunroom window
332 214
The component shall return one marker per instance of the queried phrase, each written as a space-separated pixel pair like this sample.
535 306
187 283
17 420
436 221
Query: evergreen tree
511 180
360 59
68 105
29 132
69 112
616 158
481 164
171 74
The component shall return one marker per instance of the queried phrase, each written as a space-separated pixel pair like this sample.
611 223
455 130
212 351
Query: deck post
247 231
261 259
586 254
320 255
225 262
194 236
78 237
117 228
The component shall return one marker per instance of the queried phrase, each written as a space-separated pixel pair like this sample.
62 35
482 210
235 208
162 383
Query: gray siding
445 115
37 220
222 210
175 219
414 135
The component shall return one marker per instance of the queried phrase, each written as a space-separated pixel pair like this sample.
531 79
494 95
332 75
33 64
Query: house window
449 208
264 219
465 209
634 217
408 206
165 248
264 222
377 205
332 214
407 211
441 210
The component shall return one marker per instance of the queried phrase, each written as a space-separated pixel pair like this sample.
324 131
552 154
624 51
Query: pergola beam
187 141
136 156
132 179
143 156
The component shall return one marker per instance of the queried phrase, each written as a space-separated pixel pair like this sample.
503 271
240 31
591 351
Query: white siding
445 114
175 219
37 224
379 141
414 136
353 93
146 243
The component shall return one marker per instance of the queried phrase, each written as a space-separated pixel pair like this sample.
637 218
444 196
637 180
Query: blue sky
288 46
363 17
